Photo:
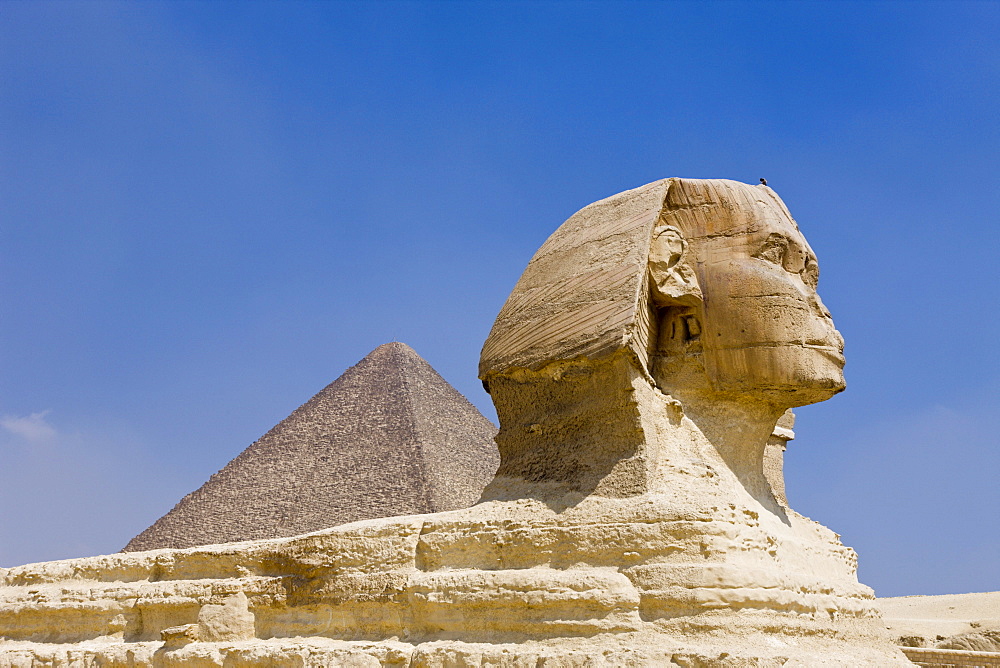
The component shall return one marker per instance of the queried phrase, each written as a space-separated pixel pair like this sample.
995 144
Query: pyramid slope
389 437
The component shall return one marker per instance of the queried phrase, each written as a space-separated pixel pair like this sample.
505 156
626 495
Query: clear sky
209 210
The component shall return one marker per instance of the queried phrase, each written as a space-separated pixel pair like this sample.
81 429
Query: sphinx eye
774 249
810 273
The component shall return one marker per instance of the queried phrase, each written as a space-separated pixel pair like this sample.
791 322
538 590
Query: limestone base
605 582
634 650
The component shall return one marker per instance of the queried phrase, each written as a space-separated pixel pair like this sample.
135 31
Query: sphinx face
764 327
758 329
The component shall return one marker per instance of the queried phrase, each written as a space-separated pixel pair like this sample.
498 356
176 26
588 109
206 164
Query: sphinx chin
790 375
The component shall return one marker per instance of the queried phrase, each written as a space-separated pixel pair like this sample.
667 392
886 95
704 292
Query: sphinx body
638 368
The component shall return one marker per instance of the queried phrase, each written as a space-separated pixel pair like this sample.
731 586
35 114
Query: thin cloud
95 489
32 428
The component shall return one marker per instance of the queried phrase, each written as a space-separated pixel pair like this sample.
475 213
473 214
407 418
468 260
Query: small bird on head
763 182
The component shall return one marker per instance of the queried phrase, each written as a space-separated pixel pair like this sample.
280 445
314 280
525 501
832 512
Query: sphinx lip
833 352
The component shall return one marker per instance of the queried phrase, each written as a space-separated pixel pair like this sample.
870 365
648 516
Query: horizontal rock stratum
639 369
510 583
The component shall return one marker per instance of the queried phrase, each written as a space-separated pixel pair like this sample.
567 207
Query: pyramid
389 437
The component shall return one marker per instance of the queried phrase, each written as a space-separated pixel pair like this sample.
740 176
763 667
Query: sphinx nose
820 307
839 339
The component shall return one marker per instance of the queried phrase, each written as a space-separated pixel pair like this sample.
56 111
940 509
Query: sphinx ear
672 281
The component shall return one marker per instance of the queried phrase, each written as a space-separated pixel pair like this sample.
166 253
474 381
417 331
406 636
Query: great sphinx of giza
638 368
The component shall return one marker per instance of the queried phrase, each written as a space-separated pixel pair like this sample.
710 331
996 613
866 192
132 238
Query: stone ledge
941 658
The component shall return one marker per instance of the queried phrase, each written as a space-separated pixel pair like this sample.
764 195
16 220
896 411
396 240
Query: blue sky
209 210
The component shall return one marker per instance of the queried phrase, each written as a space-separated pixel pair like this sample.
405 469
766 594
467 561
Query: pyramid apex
393 347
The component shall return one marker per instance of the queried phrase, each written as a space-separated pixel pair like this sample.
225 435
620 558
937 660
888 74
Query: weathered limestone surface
639 368
388 437
774 456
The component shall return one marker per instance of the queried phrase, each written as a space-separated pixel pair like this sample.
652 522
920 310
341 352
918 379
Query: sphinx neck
600 427
737 429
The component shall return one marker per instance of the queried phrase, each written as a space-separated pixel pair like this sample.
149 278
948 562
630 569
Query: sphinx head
681 298
733 298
